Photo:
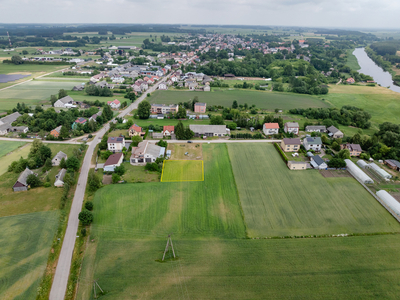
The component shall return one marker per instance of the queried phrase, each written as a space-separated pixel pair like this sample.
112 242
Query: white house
162 86
313 143
60 178
292 127
315 128
146 153
66 102
270 128
113 161
114 104
318 163
57 159
115 144
209 130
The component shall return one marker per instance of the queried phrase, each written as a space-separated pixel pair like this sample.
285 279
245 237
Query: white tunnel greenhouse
381 172
389 201
357 172
362 164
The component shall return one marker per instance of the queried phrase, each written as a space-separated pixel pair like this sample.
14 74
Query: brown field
178 151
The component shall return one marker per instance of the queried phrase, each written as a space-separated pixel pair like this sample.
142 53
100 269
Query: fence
376 197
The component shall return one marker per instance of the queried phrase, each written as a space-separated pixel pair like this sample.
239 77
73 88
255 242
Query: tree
179 131
86 217
103 143
232 126
335 146
120 170
343 154
47 164
107 113
62 93
33 181
73 163
53 99
144 109
93 181
217 120
136 140
181 114
17 60
24 52
35 147
89 205
44 152
115 178
129 123
194 101
63 163
336 163
64 132
234 104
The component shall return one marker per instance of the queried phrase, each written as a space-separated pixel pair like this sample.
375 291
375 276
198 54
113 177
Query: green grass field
182 170
352 61
6 160
225 97
280 202
25 242
8 146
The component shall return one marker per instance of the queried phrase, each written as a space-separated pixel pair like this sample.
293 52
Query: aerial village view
141 158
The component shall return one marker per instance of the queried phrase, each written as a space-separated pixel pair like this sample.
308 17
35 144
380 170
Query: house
78 88
146 152
157 135
4 129
135 130
56 131
10 118
21 184
334 132
292 127
206 88
81 121
57 159
114 104
355 149
164 109
313 143
297 165
115 144
393 164
192 86
318 163
113 161
65 102
290 145
102 84
200 107
162 86
350 80
94 117
168 130
59 182
21 129
270 128
209 130
315 128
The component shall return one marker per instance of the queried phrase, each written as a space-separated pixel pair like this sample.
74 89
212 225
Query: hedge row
283 155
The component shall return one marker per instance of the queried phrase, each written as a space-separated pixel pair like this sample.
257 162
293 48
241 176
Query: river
368 67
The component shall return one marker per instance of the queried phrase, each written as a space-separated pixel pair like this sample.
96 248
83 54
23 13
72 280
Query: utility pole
9 40
169 244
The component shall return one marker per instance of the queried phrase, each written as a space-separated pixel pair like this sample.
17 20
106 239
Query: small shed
57 159
59 182
297 165
169 153
21 184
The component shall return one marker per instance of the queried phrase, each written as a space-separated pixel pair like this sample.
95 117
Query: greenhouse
389 201
362 164
357 172
381 172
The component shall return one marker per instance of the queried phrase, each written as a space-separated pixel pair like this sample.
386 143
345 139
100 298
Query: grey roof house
334 132
60 178
57 159
21 184
209 130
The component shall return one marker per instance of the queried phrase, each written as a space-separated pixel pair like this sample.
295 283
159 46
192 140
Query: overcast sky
312 13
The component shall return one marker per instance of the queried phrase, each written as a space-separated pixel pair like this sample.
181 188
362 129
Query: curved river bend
368 67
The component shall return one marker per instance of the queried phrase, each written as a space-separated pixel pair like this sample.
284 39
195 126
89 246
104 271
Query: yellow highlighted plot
182 170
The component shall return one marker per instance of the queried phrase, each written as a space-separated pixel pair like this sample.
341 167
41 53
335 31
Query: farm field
352 61
33 93
382 103
8 146
182 170
287 203
5 160
225 97
24 248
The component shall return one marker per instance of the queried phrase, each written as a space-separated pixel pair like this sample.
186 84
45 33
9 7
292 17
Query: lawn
6 160
280 202
225 97
139 174
25 242
8 146
182 170
352 61
178 151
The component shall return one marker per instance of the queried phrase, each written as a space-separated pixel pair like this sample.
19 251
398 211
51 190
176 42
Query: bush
33 181
120 170
83 232
89 205
115 178
47 184
152 167
86 217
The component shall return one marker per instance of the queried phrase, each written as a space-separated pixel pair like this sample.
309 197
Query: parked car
190 142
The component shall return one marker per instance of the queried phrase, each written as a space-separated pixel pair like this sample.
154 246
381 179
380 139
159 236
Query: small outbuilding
59 182
57 159
21 184
297 165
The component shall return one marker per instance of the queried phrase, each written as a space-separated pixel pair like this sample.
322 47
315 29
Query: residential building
168 130
65 102
56 131
20 129
113 161
57 159
146 152
115 144
292 127
315 128
318 163
4 128
206 88
393 164
290 145
10 118
200 107
297 165
270 128
59 182
21 184
162 86
355 149
334 132
164 109
350 80
81 121
209 130
313 143
135 130
114 104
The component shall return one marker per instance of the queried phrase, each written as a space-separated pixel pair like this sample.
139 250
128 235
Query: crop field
8 146
225 97
25 242
182 170
7 158
280 202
